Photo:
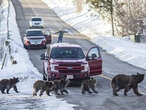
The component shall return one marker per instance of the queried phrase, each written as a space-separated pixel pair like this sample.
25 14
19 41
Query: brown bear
60 85
126 82
42 86
7 84
87 84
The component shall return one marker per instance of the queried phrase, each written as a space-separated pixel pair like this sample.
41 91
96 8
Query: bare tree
126 14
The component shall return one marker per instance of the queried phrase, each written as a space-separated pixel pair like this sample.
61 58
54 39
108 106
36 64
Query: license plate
69 68
69 76
34 42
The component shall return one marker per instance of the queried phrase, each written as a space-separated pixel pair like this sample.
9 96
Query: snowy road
104 100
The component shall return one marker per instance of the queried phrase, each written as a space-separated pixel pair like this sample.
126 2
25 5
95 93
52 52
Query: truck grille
70 64
69 71
69 68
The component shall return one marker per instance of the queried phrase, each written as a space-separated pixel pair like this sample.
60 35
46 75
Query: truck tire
44 78
25 47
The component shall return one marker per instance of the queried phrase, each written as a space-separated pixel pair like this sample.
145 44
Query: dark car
34 38
63 59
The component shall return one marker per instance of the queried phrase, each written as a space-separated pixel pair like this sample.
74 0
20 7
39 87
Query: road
104 100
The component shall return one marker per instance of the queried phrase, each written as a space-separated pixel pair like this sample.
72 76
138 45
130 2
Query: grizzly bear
7 84
60 85
88 84
42 86
126 82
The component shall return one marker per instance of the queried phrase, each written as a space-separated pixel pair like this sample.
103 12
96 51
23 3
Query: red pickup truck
63 59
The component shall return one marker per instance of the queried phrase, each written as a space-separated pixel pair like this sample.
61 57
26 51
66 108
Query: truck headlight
52 65
86 67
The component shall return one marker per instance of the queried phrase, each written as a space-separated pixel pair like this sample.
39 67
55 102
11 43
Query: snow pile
27 73
67 11
125 50
88 23
3 29
24 67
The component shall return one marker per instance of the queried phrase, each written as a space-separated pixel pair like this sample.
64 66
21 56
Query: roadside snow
88 23
27 73
67 11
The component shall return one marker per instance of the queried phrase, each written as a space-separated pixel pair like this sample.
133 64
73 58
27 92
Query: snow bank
133 53
89 23
24 67
25 70
67 11
3 29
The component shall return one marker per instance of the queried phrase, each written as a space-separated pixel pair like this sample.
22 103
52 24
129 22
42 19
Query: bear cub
42 86
87 85
7 84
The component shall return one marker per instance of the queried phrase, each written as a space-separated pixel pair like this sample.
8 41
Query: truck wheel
45 47
44 78
25 47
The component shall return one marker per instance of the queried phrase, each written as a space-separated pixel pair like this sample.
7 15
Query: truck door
95 61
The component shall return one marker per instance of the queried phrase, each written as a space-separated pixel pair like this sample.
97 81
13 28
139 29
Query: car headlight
30 23
43 41
86 67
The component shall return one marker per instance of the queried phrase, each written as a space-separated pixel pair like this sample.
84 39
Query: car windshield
36 19
67 52
34 33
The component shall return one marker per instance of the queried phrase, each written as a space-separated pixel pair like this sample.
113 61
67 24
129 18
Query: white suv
36 22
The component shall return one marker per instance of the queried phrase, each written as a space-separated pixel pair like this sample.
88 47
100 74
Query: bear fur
7 84
60 85
87 85
126 82
41 85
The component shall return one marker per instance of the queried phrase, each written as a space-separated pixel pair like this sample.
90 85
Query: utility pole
112 19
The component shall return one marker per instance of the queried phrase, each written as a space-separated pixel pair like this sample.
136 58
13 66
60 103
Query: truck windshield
67 52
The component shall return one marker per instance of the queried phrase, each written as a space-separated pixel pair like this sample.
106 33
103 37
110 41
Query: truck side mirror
94 56
87 58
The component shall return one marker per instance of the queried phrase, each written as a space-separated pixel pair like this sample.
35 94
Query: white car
36 22
34 38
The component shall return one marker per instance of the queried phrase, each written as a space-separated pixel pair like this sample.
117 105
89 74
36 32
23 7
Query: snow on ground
67 11
88 23
25 70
